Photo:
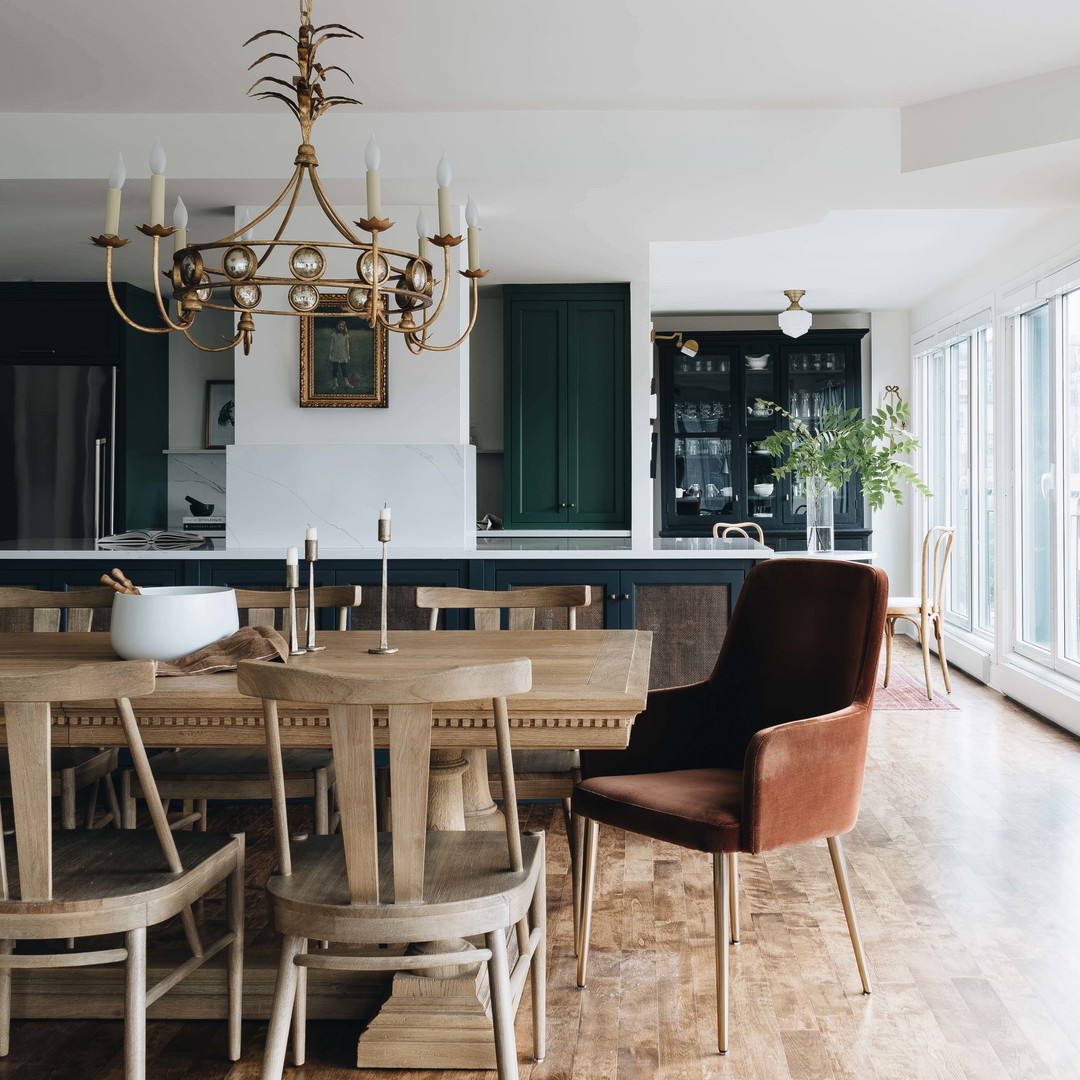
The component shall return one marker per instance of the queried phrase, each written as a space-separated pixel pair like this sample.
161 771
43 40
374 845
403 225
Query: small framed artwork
342 360
220 415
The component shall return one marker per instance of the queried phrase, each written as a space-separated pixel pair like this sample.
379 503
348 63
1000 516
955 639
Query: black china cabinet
711 469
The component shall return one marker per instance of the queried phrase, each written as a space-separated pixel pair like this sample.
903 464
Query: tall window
1070 477
1035 480
983 532
957 437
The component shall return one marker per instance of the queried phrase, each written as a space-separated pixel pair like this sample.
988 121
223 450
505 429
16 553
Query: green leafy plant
841 443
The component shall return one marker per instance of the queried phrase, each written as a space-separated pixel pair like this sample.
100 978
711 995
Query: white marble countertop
487 547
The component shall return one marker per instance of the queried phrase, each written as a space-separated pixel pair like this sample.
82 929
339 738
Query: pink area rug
907 693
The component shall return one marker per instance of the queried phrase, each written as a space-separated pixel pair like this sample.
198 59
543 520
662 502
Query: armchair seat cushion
699 809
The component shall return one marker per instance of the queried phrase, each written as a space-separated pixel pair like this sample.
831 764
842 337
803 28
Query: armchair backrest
803 639
407 698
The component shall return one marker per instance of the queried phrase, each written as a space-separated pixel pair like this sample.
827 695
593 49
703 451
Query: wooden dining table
588 686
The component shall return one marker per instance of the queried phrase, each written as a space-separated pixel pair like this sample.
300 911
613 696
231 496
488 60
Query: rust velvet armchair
767 753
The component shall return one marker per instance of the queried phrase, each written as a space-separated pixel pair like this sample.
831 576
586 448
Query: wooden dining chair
77 884
195 775
363 888
541 774
740 528
75 769
925 612
747 761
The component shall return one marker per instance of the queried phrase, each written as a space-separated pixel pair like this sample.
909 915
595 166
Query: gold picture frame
343 360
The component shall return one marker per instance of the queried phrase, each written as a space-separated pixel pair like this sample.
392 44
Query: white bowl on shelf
758 363
764 490
167 622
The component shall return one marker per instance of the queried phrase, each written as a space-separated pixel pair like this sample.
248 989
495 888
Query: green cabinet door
596 403
536 418
567 349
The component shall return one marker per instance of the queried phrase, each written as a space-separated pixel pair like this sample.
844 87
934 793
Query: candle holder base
314 648
297 652
382 650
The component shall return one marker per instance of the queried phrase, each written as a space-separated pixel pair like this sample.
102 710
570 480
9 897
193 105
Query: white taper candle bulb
157 184
372 158
443 176
180 221
117 176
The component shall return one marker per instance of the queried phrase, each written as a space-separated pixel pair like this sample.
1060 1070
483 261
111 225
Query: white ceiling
679 158
425 55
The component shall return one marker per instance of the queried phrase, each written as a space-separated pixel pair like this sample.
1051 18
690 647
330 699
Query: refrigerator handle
99 492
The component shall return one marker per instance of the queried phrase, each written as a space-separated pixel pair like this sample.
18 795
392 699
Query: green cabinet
567 353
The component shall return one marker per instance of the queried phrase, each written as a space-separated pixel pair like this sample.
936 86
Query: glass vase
819 516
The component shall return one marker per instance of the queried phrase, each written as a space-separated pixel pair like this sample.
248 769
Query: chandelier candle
384 539
179 221
292 583
117 176
311 553
157 184
372 158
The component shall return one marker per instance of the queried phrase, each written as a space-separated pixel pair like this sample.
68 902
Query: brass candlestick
292 583
384 539
311 553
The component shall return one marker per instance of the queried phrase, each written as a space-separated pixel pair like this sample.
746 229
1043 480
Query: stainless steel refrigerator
58 446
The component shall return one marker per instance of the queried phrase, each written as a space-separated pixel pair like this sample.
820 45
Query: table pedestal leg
441 1019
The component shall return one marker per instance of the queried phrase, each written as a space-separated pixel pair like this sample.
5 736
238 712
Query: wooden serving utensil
120 582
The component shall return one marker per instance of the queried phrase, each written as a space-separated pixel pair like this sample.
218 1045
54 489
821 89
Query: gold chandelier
392 289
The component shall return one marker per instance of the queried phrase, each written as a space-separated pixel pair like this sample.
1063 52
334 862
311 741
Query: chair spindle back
487 606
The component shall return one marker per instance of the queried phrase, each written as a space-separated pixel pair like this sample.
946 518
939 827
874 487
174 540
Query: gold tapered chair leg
721 916
592 835
890 630
924 641
836 851
733 893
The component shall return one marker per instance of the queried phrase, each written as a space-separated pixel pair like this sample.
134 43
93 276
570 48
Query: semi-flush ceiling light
689 347
794 320
392 289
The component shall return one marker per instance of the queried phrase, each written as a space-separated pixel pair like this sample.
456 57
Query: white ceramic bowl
164 623
757 363
764 490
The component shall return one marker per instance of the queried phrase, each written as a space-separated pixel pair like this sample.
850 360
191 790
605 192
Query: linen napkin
248 643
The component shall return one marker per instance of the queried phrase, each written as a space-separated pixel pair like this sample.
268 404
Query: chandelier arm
296 183
116 304
211 348
290 186
163 311
473 302
329 209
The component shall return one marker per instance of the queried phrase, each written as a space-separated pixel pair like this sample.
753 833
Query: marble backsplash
277 490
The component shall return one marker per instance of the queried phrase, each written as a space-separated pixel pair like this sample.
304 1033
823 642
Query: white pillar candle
372 159
472 220
179 220
291 557
117 176
312 533
443 176
157 184
384 525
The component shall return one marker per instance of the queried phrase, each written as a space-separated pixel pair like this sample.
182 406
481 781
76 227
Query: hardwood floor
965 867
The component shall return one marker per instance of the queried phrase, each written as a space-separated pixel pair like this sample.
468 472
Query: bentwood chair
74 769
925 612
362 888
194 775
540 774
740 528
767 753
76 884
